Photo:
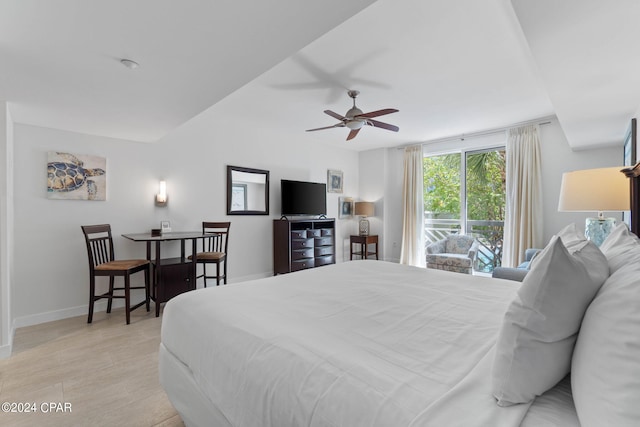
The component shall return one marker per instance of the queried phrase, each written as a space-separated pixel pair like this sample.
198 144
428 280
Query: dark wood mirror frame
241 189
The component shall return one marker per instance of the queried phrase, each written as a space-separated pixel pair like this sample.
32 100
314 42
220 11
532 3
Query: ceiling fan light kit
355 119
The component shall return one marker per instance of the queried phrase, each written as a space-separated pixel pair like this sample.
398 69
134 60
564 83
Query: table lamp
364 209
599 190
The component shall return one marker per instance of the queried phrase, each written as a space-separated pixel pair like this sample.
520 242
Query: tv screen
303 198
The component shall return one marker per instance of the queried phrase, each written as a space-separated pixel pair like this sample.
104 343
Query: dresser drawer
324 241
302 264
323 250
298 234
302 253
301 244
313 233
326 232
324 260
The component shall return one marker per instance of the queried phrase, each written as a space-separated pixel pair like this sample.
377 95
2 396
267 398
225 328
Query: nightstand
362 246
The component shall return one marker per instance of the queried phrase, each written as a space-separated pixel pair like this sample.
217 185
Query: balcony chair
214 250
455 252
517 273
102 262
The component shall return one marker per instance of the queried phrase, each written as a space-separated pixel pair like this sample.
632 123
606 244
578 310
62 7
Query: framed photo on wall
630 144
334 181
345 207
630 157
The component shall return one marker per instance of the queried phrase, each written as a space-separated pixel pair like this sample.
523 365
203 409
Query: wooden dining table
174 275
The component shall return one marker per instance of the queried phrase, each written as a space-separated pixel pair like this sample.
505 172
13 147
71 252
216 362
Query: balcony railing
488 233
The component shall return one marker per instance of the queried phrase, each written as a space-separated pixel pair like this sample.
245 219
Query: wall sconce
364 209
161 197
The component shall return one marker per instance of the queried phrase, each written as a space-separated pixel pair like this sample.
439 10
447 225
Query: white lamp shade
603 189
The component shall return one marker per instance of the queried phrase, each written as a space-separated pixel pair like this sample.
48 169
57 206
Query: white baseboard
51 316
5 350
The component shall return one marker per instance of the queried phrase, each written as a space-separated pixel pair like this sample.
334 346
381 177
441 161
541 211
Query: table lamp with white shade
598 190
364 209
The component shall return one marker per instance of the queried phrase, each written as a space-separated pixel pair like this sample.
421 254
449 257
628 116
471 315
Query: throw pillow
536 340
621 247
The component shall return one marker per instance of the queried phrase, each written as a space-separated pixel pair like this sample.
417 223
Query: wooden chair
214 250
102 262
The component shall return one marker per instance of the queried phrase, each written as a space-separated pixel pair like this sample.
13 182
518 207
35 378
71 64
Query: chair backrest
99 244
219 241
458 243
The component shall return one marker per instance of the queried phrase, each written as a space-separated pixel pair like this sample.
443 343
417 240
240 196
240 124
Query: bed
363 343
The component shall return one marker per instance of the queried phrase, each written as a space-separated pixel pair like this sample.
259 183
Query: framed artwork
345 207
630 145
76 176
630 157
334 181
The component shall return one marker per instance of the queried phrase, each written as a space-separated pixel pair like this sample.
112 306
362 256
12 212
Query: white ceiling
451 67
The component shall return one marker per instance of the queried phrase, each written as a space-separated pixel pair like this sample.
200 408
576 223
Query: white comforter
363 343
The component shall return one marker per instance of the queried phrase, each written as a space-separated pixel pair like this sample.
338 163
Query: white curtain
413 208
523 216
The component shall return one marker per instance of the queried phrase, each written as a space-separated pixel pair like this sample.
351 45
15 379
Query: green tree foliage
485 186
442 186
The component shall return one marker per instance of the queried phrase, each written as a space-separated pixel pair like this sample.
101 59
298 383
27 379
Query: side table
362 246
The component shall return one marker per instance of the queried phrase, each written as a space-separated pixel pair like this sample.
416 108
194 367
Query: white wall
372 181
50 264
6 231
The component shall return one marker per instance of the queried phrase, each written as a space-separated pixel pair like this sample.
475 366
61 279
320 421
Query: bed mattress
363 343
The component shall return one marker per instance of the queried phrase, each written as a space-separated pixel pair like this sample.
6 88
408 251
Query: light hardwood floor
106 371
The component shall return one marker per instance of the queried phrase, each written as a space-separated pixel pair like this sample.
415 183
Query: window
464 192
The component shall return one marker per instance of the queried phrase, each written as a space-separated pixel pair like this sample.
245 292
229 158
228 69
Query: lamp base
597 229
364 227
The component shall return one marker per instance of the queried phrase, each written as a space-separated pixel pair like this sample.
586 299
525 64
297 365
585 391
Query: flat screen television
303 198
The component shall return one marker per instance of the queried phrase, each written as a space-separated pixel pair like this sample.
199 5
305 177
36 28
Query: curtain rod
539 121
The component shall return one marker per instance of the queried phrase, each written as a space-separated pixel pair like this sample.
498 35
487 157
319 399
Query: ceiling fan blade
353 134
335 115
337 125
378 113
386 126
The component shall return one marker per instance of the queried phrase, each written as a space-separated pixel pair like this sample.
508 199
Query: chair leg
147 288
204 273
225 271
217 274
111 280
127 296
92 295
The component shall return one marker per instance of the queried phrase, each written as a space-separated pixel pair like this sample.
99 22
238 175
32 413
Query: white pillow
571 236
621 247
536 340
605 375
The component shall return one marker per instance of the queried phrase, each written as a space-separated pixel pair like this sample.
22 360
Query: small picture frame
345 207
334 181
165 226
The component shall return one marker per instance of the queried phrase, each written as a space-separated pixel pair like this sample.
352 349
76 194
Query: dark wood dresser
303 243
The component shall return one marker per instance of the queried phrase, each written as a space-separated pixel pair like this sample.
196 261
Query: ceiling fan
355 119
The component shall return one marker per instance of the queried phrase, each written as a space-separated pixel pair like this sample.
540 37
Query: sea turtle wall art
76 177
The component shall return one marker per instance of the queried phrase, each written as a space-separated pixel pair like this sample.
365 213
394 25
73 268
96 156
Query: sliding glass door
464 192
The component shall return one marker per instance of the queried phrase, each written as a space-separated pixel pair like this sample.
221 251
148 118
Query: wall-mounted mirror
247 191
